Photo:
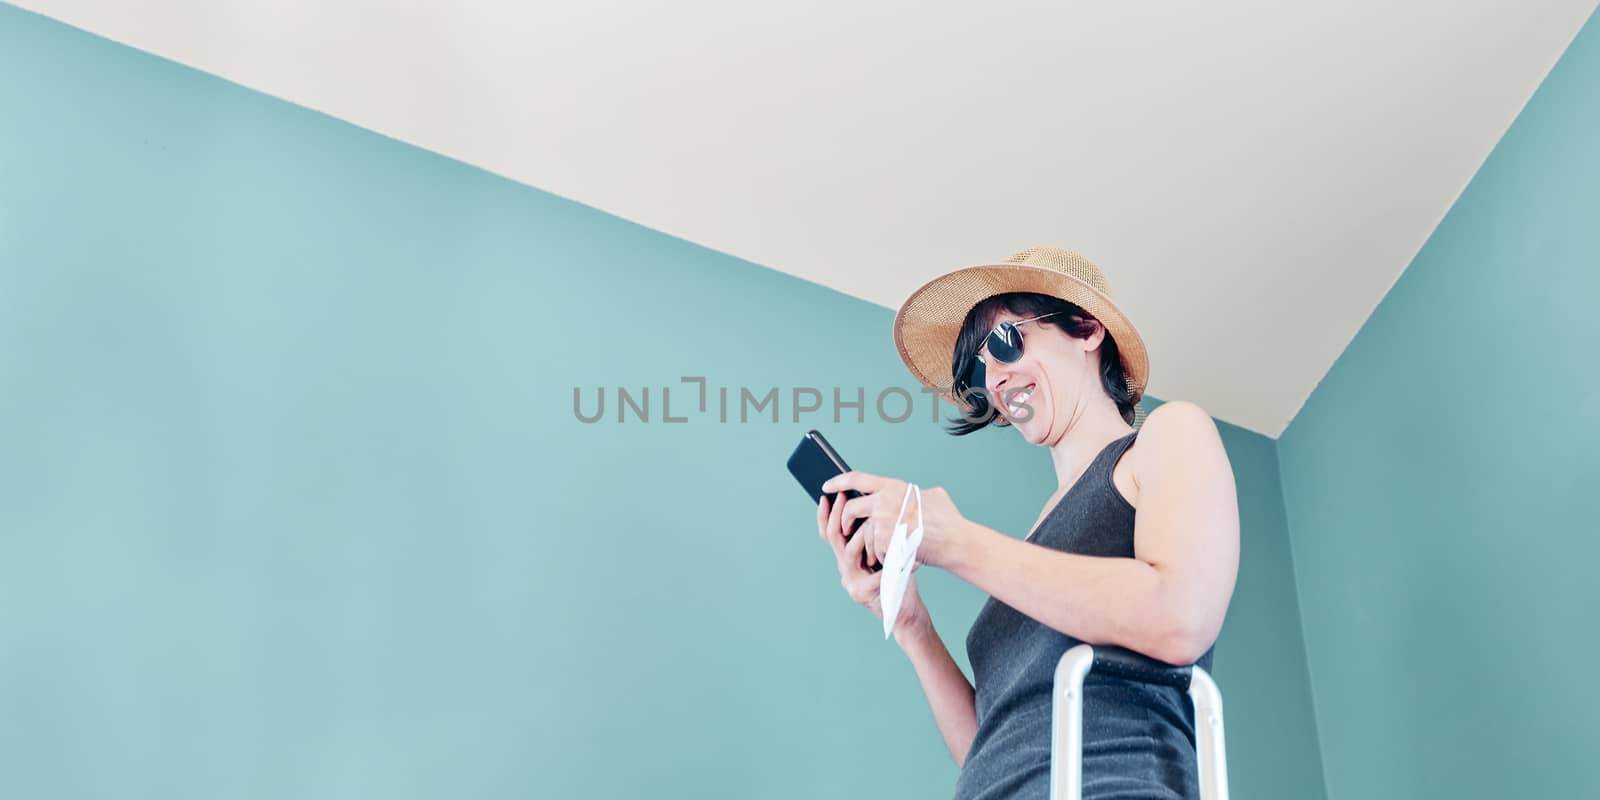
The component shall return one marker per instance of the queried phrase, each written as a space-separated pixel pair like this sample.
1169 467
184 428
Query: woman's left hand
943 528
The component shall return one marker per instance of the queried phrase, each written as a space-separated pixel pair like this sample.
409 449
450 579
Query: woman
1138 547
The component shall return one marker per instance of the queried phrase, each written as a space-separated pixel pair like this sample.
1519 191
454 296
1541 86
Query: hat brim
929 321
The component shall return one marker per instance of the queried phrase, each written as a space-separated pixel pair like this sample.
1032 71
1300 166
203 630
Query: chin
1032 431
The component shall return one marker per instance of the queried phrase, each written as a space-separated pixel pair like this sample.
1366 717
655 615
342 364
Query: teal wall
1439 482
1260 661
294 502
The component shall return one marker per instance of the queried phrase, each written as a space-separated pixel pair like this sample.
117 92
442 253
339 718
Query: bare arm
950 694
1166 602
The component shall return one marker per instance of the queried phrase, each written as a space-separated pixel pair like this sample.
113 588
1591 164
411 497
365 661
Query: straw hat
929 321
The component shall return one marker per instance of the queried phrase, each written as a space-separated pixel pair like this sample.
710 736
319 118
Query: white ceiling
1253 175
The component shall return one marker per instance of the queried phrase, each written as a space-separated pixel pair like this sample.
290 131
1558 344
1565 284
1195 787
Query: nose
997 373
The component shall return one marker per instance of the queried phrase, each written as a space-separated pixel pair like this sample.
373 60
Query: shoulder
1177 415
1177 433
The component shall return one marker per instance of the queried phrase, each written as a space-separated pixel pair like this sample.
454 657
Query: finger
863 482
863 587
864 559
879 533
858 508
877 543
876 533
851 557
822 518
874 591
835 533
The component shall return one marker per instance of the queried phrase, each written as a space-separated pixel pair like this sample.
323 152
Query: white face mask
898 561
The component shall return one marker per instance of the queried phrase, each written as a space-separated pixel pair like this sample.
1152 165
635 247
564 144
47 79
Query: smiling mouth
1020 399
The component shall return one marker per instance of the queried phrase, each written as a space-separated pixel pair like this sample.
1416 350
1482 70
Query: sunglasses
1004 344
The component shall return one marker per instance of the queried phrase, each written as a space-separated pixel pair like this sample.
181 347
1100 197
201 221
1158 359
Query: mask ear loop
914 542
913 538
900 517
919 508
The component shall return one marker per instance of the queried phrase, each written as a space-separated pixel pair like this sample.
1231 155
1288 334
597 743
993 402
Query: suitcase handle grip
1124 663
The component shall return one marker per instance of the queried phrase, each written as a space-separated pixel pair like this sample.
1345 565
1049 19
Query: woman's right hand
860 583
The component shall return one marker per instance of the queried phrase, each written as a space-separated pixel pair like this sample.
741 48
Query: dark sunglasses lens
1005 343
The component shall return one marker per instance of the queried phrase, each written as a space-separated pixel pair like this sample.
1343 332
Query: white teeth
1019 400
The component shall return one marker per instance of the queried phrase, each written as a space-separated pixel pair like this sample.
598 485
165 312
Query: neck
1096 426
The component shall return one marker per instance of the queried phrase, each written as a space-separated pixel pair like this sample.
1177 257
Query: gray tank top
1138 738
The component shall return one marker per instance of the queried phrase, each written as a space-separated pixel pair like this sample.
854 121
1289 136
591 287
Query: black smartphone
813 462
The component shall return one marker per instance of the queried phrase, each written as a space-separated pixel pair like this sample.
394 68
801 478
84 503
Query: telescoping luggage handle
1066 712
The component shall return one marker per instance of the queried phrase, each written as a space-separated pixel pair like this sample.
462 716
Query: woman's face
1039 392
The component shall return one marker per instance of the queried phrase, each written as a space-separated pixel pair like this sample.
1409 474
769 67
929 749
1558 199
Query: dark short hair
1070 317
